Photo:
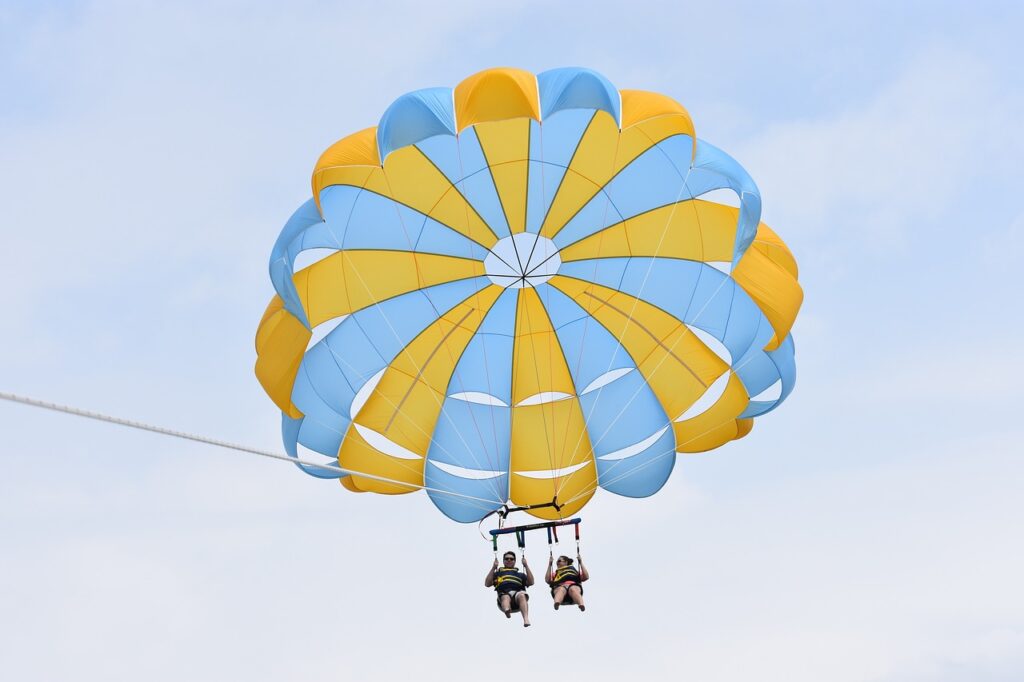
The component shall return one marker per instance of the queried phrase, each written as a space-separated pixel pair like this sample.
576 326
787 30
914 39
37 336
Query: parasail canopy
525 289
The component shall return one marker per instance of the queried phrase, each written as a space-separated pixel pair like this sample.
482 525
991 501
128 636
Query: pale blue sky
869 530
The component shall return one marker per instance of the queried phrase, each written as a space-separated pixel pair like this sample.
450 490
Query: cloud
887 172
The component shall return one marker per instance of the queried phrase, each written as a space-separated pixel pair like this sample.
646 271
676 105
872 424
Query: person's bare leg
558 595
524 608
576 594
505 604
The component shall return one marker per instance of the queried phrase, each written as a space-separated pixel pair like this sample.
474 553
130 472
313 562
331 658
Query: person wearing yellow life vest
511 584
566 581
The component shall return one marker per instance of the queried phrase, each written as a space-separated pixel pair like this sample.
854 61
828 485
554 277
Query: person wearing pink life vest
566 581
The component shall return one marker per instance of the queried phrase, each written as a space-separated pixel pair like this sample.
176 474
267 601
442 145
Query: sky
868 530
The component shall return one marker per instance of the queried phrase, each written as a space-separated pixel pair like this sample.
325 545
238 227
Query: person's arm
549 577
529 573
583 569
489 580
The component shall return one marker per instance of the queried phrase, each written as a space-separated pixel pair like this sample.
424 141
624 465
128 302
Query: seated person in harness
566 581
511 584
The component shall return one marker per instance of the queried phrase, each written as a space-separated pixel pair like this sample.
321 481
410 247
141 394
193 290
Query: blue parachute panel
552 145
457 508
485 367
695 293
473 437
305 217
326 417
290 436
754 367
650 181
501 318
481 194
677 150
559 137
336 203
784 358
590 350
622 414
561 309
714 169
444 297
416 116
544 180
438 238
444 153
777 365
378 222
394 323
576 88
462 161
598 213
621 410
357 357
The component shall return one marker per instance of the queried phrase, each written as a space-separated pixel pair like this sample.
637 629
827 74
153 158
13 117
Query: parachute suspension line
338 359
731 370
551 455
554 342
490 459
405 350
649 462
536 374
543 190
554 346
377 305
561 482
490 462
683 188
657 458
14 398
398 213
420 370
588 318
389 401
543 201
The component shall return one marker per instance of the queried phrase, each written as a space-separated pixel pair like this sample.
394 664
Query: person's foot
526 623
508 614
557 604
582 607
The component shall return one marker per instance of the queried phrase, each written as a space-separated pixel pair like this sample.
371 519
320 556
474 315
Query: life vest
565 574
508 580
